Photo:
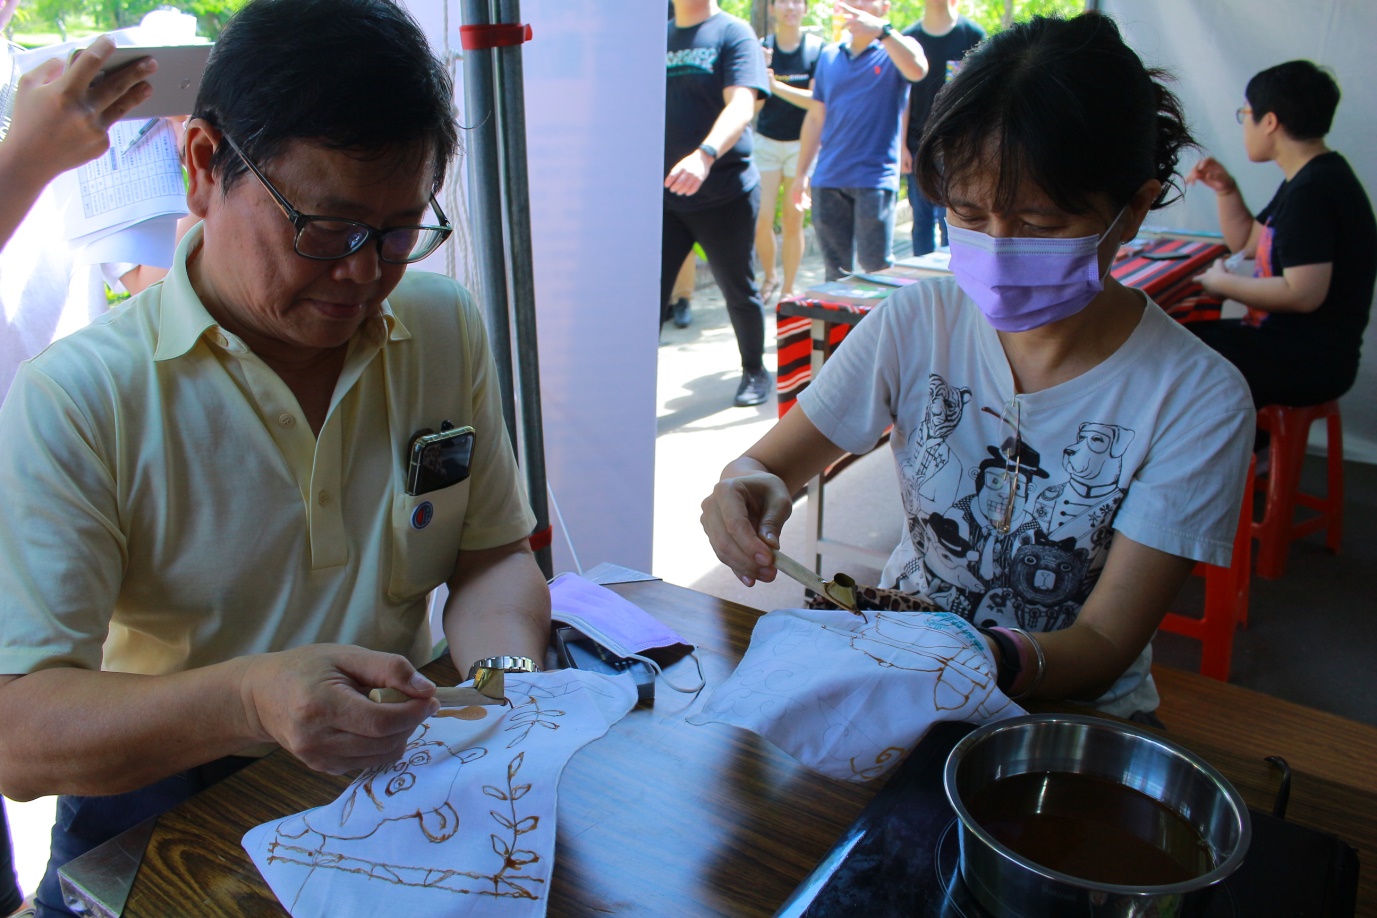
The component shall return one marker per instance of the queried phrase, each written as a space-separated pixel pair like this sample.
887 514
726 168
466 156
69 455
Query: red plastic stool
1226 596
1290 429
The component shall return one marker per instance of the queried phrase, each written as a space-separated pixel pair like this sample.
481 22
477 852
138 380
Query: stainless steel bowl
1012 885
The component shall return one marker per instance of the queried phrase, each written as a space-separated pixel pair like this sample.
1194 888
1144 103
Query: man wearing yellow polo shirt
207 543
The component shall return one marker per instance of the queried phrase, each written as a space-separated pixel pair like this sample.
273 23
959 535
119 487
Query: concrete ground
700 432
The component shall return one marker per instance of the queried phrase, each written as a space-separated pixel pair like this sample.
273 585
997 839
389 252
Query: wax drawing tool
488 688
841 589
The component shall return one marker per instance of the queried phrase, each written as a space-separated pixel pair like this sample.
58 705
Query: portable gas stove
901 857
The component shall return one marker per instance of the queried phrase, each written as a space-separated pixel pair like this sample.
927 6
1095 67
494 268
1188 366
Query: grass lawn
39 39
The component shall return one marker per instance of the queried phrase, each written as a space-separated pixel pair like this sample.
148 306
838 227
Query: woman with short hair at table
1065 451
1315 246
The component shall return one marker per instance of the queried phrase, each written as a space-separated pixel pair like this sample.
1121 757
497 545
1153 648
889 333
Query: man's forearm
499 605
731 122
76 731
907 55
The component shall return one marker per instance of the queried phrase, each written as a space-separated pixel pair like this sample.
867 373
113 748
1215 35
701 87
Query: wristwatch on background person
709 149
886 31
506 664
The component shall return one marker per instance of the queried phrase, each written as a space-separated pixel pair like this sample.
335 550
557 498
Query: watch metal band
506 664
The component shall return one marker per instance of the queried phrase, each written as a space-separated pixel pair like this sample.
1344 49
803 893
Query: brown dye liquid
1091 828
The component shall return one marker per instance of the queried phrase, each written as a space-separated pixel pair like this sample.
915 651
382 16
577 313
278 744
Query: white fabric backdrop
1213 49
595 95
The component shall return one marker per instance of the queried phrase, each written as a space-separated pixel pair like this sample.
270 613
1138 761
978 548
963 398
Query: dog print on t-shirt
1030 565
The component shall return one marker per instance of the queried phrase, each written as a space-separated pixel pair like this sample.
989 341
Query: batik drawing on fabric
463 824
848 697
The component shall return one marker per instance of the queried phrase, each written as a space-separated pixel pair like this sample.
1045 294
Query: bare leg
792 239
765 229
684 283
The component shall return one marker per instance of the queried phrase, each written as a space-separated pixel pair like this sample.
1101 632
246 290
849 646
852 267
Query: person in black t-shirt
792 56
1315 247
715 70
946 36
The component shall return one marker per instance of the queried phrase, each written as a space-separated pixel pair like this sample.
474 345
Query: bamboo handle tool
488 688
841 589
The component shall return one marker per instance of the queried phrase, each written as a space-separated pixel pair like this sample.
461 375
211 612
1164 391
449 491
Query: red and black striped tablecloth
1164 270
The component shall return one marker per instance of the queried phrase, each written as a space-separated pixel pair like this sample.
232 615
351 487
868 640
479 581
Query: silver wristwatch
506 664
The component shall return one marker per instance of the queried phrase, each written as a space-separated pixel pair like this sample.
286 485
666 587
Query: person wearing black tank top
791 55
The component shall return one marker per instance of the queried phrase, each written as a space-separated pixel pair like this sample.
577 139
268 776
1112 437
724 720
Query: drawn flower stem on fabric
527 716
505 844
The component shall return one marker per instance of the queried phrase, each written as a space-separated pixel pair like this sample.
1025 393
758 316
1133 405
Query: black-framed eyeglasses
1245 110
331 238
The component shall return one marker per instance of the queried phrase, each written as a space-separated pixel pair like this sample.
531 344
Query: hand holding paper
61 119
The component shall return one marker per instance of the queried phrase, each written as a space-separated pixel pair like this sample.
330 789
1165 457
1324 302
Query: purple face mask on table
616 623
1021 283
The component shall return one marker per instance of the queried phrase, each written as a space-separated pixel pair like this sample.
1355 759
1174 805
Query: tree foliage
80 17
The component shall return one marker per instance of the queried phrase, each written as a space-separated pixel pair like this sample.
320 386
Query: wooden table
662 818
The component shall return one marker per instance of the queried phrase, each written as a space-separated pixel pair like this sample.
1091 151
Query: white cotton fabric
463 826
1153 443
849 697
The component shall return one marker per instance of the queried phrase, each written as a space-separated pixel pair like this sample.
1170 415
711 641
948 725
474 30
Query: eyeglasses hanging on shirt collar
331 238
1012 451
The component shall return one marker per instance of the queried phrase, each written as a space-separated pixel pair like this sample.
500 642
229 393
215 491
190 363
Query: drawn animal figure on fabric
462 824
932 474
390 792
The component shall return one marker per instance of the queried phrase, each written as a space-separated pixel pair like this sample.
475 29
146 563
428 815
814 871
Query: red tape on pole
501 35
543 538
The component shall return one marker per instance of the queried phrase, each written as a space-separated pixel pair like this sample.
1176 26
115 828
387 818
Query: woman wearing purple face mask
1065 451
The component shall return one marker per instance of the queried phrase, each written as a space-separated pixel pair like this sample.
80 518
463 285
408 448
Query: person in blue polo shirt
860 93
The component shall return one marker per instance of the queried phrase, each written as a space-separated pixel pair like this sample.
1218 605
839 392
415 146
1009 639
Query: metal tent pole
485 206
503 230
516 199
